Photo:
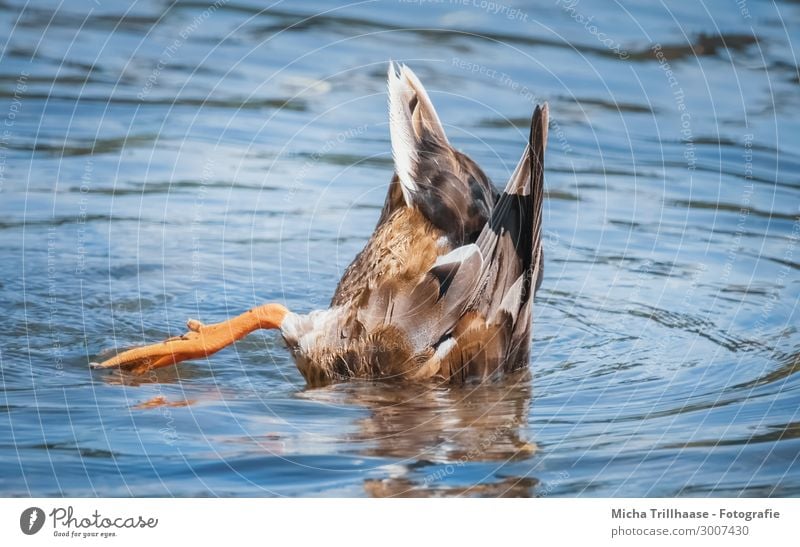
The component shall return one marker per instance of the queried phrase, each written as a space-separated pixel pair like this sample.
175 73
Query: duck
444 287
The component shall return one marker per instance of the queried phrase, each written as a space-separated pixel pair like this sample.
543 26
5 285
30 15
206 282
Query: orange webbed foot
201 341
162 354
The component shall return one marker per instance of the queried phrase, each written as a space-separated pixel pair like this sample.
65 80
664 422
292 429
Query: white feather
459 254
445 348
403 87
304 331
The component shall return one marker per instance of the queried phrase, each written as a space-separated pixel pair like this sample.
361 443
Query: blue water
164 160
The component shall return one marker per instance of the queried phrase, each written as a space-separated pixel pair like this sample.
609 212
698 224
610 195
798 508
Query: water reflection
442 434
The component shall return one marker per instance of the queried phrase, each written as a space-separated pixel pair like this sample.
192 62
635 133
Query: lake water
161 160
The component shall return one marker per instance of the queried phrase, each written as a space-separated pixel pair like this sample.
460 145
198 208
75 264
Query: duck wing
494 329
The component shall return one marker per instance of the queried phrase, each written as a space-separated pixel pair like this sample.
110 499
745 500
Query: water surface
162 160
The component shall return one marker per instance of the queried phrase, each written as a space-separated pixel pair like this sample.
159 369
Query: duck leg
201 340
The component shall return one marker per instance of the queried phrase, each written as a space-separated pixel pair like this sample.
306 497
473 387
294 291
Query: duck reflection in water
463 440
451 440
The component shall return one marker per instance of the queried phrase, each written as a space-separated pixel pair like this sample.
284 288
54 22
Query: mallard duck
444 287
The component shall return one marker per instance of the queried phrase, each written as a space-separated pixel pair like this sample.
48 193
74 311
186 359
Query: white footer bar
388 522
